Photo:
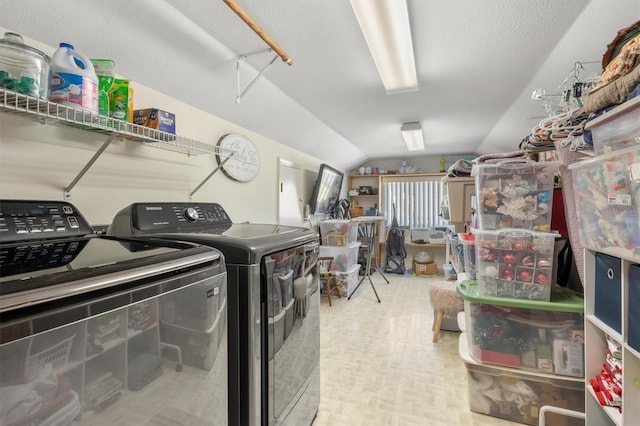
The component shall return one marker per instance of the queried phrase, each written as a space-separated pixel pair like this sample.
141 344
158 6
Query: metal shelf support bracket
67 190
210 174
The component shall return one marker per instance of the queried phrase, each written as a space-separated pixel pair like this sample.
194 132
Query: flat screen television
326 192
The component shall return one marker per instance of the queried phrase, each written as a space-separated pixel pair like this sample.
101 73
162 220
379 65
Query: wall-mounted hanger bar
258 30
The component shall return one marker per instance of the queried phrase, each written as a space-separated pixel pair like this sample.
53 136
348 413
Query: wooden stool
444 298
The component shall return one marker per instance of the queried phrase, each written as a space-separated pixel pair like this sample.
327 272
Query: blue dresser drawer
608 291
634 307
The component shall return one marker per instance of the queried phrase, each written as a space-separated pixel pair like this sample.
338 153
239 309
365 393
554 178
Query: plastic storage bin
338 232
515 263
449 272
350 278
516 395
607 195
526 334
343 257
618 128
468 242
515 194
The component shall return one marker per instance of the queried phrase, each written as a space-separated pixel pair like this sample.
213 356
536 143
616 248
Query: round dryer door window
243 164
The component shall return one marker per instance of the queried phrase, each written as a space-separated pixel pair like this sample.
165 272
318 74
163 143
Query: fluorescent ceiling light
385 25
412 134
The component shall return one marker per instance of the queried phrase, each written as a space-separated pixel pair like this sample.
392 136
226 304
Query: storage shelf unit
595 342
58 114
456 205
365 201
452 255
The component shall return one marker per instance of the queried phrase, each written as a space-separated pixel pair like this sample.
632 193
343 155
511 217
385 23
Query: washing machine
274 305
103 330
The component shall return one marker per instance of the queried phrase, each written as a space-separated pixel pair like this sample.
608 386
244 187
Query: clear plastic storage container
468 242
616 129
23 69
517 395
526 334
607 194
515 263
350 278
343 257
515 194
338 232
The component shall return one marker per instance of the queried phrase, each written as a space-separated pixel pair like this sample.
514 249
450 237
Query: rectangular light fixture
385 25
412 135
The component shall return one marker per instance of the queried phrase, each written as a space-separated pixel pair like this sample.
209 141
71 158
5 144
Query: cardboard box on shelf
156 119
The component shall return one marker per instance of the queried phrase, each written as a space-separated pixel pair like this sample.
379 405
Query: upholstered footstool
444 298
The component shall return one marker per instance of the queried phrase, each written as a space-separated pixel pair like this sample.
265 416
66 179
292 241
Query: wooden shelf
438 245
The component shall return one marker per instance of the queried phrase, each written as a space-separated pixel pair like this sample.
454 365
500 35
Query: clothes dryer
274 305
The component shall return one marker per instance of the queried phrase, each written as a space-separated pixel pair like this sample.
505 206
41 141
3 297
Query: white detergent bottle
73 79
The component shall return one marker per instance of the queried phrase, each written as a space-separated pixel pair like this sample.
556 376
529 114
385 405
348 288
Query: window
417 200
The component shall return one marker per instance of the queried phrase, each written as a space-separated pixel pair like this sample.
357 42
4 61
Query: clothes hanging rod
258 30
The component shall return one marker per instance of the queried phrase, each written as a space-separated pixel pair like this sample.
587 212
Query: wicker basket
356 211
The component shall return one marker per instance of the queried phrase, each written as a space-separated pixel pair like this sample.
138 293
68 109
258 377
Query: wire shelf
53 113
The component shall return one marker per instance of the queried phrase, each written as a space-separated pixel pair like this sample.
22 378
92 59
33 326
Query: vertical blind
417 201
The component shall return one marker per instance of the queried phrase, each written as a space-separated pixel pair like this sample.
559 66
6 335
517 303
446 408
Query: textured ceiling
477 62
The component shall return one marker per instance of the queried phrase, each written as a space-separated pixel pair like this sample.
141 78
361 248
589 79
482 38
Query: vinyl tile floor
379 366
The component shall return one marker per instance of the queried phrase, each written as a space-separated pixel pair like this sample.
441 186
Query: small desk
369 223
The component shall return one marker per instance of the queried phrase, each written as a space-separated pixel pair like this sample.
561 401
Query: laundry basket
57 355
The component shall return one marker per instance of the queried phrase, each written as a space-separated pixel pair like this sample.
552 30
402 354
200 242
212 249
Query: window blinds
417 201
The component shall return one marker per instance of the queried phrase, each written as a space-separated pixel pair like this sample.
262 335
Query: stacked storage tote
339 240
523 341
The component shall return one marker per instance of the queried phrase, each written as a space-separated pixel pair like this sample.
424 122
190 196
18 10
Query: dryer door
293 335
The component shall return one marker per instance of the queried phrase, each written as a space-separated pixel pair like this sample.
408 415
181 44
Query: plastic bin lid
589 162
515 166
562 299
467 238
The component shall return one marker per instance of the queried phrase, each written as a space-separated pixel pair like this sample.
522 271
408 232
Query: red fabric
558 219
500 358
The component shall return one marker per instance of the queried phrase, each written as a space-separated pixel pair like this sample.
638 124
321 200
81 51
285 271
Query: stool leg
436 325
433 324
336 286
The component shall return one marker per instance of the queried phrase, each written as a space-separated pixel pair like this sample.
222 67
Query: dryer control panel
169 217
22 220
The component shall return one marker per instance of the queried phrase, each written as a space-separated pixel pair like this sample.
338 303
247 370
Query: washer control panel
40 220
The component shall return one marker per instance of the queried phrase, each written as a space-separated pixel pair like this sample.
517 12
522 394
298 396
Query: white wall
38 161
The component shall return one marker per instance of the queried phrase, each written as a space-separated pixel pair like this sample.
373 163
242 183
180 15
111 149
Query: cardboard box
156 119
425 268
